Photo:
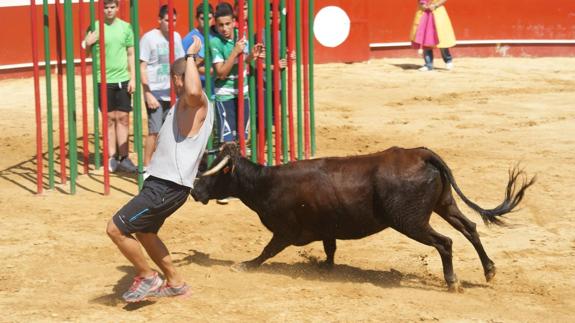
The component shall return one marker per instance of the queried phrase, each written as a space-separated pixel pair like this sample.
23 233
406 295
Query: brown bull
353 197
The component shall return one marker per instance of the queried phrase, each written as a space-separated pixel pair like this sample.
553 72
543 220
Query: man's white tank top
177 158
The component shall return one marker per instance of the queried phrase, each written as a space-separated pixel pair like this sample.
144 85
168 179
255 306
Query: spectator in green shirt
120 82
226 46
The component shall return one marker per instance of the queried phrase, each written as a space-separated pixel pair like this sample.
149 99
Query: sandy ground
482 118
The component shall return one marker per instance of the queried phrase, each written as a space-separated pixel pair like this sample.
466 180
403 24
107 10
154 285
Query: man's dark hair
224 9
164 11
116 2
200 9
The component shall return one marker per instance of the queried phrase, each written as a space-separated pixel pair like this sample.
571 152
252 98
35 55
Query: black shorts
118 97
148 210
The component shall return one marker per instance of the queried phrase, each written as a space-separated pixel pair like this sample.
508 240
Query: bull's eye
226 169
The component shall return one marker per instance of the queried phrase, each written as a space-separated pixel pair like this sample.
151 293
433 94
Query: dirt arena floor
483 117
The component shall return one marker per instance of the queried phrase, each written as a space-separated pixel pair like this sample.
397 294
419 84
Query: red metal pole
291 48
39 157
260 79
276 77
305 23
61 124
104 98
84 91
241 63
172 54
123 10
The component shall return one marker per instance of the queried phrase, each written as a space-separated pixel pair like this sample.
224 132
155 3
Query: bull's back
347 197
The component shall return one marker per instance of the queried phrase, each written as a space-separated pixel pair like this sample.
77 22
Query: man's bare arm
193 93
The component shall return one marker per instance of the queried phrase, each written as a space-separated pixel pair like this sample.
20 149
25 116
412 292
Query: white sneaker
127 165
449 66
424 68
112 164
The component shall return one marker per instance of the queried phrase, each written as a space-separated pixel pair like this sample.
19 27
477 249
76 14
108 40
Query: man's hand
151 101
131 86
259 50
91 38
239 47
261 54
283 63
196 46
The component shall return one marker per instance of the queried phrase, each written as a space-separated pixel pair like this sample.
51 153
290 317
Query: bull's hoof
490 273
326 265
243 267
455 287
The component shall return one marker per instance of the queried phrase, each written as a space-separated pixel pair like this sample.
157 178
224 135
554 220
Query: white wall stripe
487 42
41 64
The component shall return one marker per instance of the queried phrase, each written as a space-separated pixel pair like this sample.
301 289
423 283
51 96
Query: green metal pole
252 83
71 96
269 85
48 72
311 98
95 91
208 65
284 82
138 132
299 80
191 13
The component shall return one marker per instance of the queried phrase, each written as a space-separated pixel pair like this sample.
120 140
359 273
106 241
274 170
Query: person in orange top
444 30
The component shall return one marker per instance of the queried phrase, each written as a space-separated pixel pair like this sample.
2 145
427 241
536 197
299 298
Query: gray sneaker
142 288
127 165
169 291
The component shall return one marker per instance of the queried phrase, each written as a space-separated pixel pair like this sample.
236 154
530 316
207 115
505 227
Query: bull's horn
218 167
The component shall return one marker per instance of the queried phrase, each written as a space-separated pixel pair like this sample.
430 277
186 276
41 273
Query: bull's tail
512 195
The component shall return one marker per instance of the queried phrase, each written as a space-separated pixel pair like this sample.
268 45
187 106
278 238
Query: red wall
390 21
16 42
372 21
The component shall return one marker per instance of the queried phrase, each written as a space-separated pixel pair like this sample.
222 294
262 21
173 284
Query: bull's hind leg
426 235
451 213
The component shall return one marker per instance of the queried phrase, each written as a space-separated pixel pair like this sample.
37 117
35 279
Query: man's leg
156 118
447 58
428 57
157 250
131 249
446 55
149 148
112 119
147 282
122 132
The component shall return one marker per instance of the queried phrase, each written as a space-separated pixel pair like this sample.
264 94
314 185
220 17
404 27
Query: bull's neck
251 182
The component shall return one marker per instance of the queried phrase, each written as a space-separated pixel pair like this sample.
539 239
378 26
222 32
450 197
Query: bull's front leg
275 246
329 247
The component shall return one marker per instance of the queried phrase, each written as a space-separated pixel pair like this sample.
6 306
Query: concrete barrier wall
378 28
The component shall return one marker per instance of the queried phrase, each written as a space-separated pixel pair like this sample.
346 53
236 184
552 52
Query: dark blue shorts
228 119
148 210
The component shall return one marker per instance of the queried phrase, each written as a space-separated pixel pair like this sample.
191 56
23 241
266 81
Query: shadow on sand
313 269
